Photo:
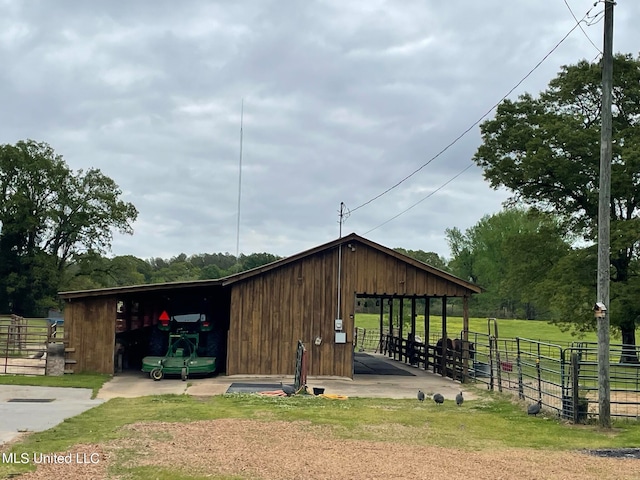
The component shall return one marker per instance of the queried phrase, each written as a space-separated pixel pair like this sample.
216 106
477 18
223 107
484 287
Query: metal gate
23 345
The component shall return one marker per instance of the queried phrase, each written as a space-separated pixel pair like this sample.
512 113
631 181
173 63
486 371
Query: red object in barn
164 318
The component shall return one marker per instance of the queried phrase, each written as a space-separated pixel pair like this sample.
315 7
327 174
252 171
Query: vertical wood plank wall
89 325
272 311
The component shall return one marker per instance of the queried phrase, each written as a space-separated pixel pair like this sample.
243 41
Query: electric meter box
338 324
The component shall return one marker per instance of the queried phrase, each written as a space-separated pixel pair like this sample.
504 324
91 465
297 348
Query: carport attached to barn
111 328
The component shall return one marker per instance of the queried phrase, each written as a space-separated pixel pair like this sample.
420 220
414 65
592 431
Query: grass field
532 329
397 421
93 381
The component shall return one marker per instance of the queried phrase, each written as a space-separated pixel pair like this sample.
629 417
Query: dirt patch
622 403
82 462
22 366
296 450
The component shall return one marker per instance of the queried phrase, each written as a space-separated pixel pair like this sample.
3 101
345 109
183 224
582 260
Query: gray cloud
341 101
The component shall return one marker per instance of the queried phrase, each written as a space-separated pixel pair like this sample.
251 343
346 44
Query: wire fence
564 378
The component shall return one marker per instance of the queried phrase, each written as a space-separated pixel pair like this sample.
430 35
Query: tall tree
48 214
256 260
508 254
430 258
546 150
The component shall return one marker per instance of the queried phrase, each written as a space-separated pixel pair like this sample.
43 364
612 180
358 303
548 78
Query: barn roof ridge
346 239
237 277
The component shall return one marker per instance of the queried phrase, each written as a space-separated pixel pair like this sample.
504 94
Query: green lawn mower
182 355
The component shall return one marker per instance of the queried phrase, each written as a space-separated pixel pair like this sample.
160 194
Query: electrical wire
422 199
474 124
579 22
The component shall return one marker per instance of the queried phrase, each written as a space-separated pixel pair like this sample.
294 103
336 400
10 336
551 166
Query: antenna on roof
342 216
239 186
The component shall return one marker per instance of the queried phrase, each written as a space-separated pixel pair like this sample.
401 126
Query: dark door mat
365 364
616 453
31 400
240 387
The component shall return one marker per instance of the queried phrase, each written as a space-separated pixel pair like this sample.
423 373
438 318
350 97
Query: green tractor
183 355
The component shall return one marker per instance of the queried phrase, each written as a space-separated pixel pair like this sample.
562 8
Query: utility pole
604 221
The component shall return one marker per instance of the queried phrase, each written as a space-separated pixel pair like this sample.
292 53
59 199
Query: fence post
6 352
575 385
539 374
519 367
54 365
499 365
491 342
355 338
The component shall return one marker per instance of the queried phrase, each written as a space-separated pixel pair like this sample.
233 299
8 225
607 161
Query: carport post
381 302
427 314
465 337
412 342
443 359
400 322
392 343
413 316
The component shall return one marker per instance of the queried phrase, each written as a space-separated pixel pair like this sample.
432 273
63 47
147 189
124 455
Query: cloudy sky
342 100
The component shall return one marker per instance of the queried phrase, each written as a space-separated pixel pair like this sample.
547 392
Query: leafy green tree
508 254
211 272
256 260
178 269
87 271
91 270
546 151
49 214
430 258
224 261
129 270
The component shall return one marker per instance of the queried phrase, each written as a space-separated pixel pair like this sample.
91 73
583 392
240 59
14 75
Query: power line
423 199
579 22
474 123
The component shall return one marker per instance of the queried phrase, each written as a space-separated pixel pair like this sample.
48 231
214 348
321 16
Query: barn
260 315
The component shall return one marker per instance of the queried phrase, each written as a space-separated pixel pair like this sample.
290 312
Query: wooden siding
89 327
270 312
374 272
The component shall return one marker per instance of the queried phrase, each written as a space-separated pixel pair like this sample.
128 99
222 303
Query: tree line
92 270
536 259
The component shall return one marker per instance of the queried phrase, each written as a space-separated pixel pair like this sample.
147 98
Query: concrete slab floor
136 384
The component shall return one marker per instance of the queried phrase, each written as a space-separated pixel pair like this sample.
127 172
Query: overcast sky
342 100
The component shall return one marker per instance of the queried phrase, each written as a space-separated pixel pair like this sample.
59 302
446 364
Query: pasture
532 329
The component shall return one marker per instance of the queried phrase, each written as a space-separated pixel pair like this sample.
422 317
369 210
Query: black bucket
318 391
